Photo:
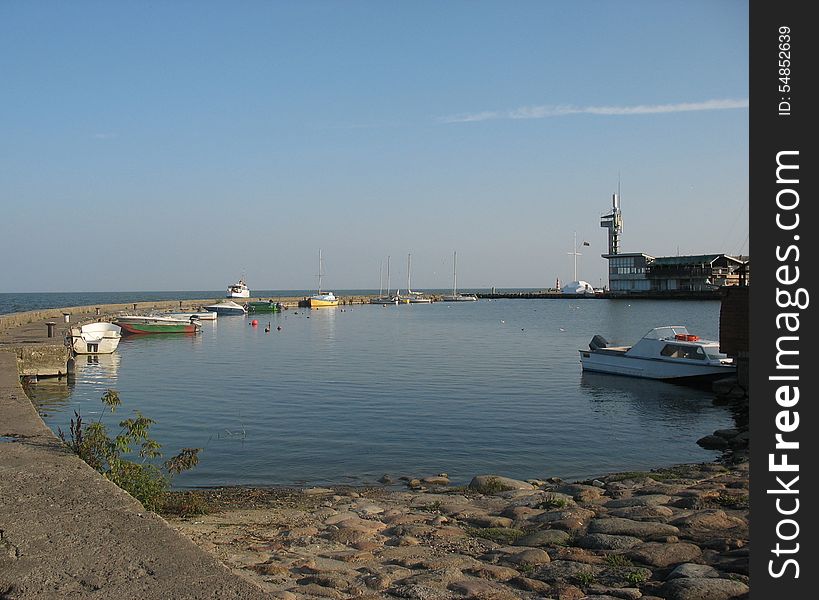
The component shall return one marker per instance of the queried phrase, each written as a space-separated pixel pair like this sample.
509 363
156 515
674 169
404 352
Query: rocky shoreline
679 533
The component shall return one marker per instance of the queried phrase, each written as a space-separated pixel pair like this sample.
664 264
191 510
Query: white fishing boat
238 290
668 353
226 307
95 338
456 297
321 299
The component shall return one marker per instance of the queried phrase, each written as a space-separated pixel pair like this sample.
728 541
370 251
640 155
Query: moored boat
667 353
95 338
238 290
199 316
264 306
321 299
455 296
141 324
226 307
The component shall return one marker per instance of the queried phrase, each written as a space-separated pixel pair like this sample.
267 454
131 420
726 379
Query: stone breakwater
679 533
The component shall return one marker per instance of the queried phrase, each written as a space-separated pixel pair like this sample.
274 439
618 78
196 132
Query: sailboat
413 297
320 298
382 299
456 297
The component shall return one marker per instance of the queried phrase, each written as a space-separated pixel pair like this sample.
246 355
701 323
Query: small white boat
668 353
226 307
238 290
95 338
199 316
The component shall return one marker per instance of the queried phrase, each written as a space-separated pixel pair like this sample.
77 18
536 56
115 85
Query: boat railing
666 332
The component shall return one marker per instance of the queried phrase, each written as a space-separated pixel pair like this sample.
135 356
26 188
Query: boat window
680 351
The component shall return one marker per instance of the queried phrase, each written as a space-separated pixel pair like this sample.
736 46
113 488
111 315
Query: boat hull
199 316
146 328
263 307
226 308
95 338
321 303
651 368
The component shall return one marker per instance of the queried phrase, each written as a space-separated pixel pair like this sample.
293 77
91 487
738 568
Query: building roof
697 259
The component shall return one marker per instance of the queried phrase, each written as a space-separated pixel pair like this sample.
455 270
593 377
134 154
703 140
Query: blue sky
178 145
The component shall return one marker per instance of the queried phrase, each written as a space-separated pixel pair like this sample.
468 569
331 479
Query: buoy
254 322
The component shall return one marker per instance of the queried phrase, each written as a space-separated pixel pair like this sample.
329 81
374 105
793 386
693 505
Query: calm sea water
346 395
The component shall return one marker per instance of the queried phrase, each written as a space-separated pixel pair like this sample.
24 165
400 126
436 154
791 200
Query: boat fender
598 342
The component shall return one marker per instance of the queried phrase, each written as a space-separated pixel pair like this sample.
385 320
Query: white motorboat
95 338
668 353
226 307
238 290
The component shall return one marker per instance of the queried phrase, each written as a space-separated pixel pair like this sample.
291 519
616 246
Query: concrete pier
65 530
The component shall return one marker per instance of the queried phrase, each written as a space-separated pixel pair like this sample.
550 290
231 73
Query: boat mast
388 275
318 293
455 273
576 254
409 266
381 278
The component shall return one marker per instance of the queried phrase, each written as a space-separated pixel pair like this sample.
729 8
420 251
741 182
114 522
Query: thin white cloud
544 111
104 136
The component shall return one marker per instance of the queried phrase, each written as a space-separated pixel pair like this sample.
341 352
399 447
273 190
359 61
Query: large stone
544 537
493 484
602 541
640 529
711 520
580 492
566 571
704 588
692 570
713 442
642 513
478 589
522 513
531 557
494 572
489 521
664 555
645 500
570 519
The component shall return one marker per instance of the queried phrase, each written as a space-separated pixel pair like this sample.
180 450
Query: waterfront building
638 272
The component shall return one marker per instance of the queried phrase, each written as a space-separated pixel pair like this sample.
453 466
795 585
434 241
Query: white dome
577 287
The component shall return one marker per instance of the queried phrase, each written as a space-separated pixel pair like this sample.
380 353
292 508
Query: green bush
141 478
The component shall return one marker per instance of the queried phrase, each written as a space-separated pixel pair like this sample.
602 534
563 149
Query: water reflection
654 399
99 367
